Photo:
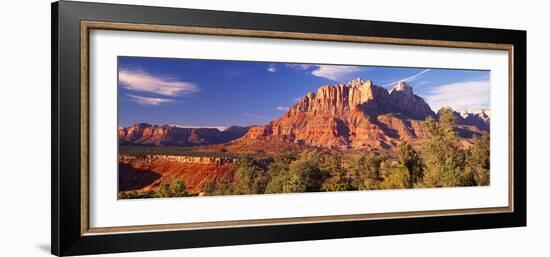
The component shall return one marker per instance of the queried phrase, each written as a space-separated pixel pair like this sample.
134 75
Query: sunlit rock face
355 115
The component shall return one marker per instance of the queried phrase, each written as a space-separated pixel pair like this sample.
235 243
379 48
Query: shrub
175 189
397 178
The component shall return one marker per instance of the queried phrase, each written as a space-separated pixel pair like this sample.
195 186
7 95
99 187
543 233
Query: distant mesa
356 115
478 118
169 135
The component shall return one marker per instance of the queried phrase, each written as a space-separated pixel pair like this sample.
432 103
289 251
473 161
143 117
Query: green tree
209 188
163 190
365 171
277 183
338 179
281 162
397 178
445 159
278 171
175 189
279 167
478 159
291 173
308 171
249 177
178 189
224 188
289 182
294 183
411 160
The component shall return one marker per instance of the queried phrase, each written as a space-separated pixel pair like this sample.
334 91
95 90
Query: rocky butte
356 115
169 135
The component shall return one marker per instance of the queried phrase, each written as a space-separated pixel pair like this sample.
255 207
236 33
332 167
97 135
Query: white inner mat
106 210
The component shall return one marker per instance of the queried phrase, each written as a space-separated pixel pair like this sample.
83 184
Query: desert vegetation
439 159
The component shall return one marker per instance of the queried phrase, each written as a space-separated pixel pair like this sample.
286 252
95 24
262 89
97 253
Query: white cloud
282 108
149 100
220 128
407 79
336 72
271 68
423 83
257 116
467 95
298 66
141 81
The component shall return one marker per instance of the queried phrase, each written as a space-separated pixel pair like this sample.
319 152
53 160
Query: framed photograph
178 128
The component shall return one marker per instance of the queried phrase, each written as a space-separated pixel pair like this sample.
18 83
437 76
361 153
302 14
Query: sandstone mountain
167 135
478 118
356 115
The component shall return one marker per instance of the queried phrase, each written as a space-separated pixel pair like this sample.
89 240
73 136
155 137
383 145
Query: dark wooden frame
70 24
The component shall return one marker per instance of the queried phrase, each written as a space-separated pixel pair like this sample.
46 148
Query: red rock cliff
354 115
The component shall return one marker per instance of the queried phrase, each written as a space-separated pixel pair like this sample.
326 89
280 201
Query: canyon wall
150 171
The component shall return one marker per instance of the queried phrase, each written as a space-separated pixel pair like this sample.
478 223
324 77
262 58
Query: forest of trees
440 161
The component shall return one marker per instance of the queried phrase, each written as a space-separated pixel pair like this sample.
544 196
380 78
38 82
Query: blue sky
218 93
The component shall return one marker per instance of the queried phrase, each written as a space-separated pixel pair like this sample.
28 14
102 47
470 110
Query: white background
25 128
106 211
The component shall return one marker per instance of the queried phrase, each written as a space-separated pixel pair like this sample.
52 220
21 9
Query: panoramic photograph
199 128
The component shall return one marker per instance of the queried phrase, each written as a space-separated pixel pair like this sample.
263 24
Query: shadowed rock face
147 134
355 115
402 100
478 118
132 179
